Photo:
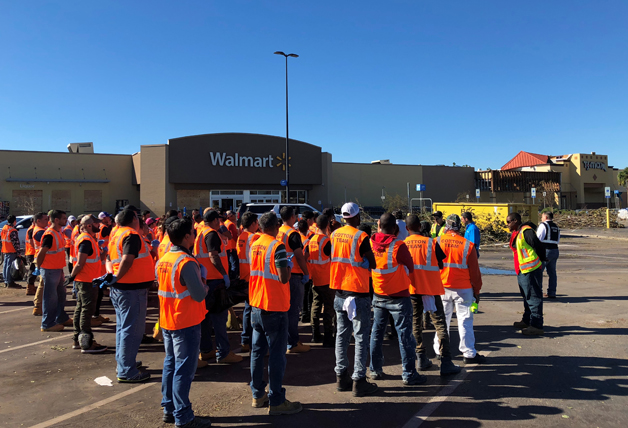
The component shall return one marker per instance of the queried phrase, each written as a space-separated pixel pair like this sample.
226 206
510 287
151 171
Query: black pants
85 306
323 304
440 325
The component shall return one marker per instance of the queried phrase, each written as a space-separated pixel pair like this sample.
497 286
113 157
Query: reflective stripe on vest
266 273
173 294
117 243
428 257
320 261
202 254
548 234
464 264
354 247
7 244
389 262
58 240
247 250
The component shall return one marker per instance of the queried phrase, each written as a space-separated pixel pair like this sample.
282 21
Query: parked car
22 224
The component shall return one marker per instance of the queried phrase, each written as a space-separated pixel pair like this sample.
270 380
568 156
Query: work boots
363 387
447 368
344 381
316 331
424 362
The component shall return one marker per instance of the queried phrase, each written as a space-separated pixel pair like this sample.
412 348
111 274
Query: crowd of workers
408 273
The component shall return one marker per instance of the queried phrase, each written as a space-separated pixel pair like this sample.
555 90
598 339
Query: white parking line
427 410
96 405
15 348
15 310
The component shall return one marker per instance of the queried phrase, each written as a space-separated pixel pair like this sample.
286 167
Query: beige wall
157 194
323 192
76 195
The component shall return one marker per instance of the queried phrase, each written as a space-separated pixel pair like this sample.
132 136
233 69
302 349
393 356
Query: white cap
350 209
71 218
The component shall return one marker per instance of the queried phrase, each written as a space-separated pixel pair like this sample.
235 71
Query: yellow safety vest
528 258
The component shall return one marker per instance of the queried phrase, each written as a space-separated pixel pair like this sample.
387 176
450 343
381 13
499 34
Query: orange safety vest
30 249
426 278
233 242
68 241
37 243
202 254
143 267
75 232
318 262
314 229
164 246
55 256
389 277
345 271
177 309
245 240
284 234
92 267
7 245
266 291
455 273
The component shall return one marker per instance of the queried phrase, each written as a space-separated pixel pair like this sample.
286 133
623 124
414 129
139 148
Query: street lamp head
293 55
280 53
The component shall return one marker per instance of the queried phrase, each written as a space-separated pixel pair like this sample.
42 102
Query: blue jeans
53 306
130 306
218 322
181 348
9 258
531 288
234 264
401 310
270 330
294 313
550 265
247 328
361 327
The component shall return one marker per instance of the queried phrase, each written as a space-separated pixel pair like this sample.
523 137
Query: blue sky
416 81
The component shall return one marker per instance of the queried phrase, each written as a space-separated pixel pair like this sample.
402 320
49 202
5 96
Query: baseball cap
437 214
349 210
211 215
150 221
453 222
71 218
103 214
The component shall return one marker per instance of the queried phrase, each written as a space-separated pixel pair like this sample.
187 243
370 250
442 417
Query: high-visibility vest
103 266
346 272
528 258
265 289
245 240
36 241
314 229
285 232
455 273
318 264
305 239
552 234
143 267
7 245
389 277
92 267
202 254
426 278
55 256
441 232
75 232
232 244
67 239
30 249
164 246
177 309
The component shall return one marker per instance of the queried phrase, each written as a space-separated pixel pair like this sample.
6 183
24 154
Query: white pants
462 298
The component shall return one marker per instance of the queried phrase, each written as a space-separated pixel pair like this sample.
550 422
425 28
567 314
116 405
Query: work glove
305 279
36 272
203 273
290 264
477 298
227 281
155 244
68 281
109 283
365 264
101 242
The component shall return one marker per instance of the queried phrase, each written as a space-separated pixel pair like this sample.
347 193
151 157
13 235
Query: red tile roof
525 159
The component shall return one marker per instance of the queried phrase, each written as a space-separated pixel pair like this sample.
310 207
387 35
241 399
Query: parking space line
96 405
15 310
427 410
15 348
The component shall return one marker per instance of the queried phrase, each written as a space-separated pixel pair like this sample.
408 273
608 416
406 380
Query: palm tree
622 177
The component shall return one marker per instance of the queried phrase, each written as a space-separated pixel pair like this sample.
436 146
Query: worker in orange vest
182 292
30 259
89 256
462 281
67 235
41 224
299 277
209 249
133 274
306 234
270 298
427 285
351 258
249 235
51 260
10 250
319 258
393 263
232 246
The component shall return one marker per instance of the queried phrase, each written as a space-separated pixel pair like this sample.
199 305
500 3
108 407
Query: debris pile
585 218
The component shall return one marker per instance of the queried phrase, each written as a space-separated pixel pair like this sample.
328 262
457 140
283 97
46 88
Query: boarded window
26 202
93 200
62 200
191 199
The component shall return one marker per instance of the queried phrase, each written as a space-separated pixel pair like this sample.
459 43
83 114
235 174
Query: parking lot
574 376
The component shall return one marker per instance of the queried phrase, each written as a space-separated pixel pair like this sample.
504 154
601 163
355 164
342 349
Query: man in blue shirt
471 231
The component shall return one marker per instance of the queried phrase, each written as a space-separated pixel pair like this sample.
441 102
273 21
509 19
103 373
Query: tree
395 202
622 177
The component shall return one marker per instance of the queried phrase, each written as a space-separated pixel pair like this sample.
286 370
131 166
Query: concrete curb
586 235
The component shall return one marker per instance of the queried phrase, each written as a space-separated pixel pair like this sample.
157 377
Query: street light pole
287 160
